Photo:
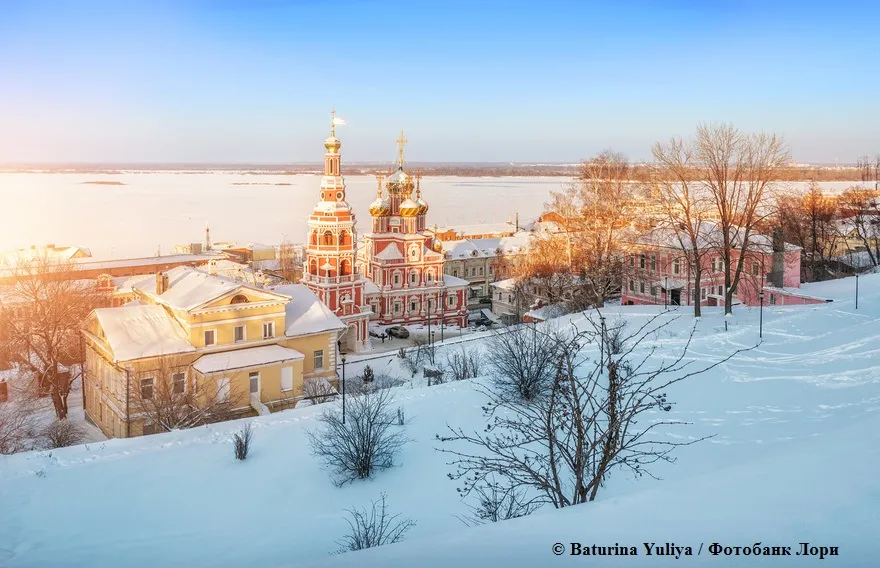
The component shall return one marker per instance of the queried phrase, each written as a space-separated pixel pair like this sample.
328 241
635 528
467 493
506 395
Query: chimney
777 274
161 283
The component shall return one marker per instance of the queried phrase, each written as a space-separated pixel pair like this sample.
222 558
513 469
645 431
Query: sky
199 81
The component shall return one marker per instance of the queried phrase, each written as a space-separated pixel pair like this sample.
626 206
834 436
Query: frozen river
150 210
167 208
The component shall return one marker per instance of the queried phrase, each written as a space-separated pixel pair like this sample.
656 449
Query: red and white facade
404 265
330 270
658 272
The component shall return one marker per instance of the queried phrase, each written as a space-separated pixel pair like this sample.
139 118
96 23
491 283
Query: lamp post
761 314
857 289
602 343
429 320
432 346
443 313
342 358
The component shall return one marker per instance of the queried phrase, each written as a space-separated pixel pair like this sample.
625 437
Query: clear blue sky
221 81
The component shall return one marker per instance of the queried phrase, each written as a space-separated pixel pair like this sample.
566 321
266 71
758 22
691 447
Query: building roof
454 281
508 284
305 313
546 312
189 288
94 264
478 229
243 358
709 235
390 252
135 332
370 287
488 247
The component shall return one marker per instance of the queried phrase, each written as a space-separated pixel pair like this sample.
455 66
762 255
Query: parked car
397 331
374 334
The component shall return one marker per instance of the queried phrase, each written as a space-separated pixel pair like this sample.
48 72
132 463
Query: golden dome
438 245
423 205
409 208
400 182
380 208
332 144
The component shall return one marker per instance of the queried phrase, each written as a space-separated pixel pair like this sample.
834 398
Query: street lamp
602 342
857 288
665 293
442 313
761 315
342 358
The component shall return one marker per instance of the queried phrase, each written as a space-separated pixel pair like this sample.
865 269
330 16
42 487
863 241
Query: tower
330 270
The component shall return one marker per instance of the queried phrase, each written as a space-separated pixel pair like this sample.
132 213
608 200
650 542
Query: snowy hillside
794 458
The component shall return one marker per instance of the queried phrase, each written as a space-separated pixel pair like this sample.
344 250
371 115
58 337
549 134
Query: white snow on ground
794 458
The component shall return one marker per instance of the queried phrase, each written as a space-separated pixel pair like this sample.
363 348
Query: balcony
330 279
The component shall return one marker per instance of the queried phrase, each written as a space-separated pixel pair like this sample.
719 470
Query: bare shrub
318 390
495 502
62 433
373 527
416 356
464 363
523 360
241 441
367 375
592 422
365 440
18 422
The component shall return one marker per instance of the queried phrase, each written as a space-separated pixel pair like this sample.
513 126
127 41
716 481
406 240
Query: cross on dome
401 142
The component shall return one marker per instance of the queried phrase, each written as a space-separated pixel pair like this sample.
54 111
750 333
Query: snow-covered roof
479 228
390 252
189 288
488 247
370 287
94 264
546 312
708 235
787 291
454 281
305 313
135 332
243 358
507 284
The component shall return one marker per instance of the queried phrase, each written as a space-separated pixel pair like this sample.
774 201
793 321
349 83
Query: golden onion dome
380 207
332 144
423 205
409 208
438 245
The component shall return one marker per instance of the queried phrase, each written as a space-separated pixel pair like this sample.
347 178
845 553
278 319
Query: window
396 307
703 293
720 290
632 260
653 290
178 382
412 277
455 273
641 261
4 392
254 383
147 388
319 359
396 279
238 334
210 337
490 270
509 299
451 301
756 269
286 378
412 305
772 299
375 308
676 266
653 261
632 286
641 287
149 428
481 271
268 329
472 293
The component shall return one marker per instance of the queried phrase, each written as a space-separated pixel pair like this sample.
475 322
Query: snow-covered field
162 209
794 458
165 209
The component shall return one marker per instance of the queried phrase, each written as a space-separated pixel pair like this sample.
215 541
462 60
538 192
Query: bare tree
41 313
366 441
522 361
61 434
375 527
739 171
19 424
860 209
685 205
287 261
464 363
318 390
415 358
598 212
563 446
809 220
169 395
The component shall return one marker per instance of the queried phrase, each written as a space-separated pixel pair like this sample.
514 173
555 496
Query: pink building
659 273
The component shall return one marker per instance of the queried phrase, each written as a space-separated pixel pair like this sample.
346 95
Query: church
395 276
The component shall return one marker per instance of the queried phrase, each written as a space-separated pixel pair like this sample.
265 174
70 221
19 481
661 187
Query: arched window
413 277
344 238
239 299
314 238
345 268
328 238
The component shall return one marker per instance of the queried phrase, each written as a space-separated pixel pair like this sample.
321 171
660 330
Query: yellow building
195 348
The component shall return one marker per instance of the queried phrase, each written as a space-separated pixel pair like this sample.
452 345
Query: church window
396 279
396 308
412 305
239 299
328 238
413 277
